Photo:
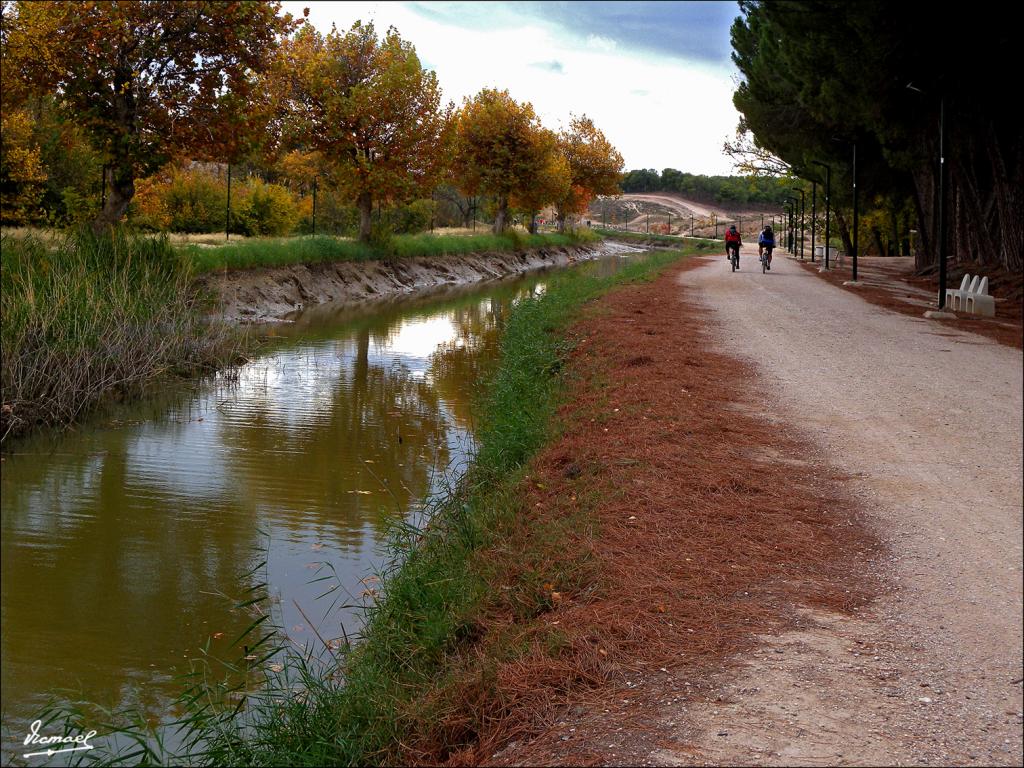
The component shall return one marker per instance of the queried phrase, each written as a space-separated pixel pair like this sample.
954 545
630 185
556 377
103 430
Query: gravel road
927 422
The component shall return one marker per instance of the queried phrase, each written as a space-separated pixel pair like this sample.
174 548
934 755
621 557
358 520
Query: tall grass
87 316
267 252
368 702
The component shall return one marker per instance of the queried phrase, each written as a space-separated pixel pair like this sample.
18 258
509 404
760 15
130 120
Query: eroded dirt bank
259 295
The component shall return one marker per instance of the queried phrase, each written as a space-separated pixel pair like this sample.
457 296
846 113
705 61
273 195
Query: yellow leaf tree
369 109
595 167
501 149
21 168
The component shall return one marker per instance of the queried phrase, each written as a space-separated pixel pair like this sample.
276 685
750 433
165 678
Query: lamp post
814 214
802 199
855 249
828 195
227 213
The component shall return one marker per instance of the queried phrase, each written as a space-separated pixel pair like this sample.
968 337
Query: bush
265 209
195 202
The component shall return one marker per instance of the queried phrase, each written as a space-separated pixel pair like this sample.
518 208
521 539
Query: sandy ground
678 204
927 421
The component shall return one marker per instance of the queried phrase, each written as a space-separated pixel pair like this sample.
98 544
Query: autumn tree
22 176
552 181
595 167
369 109
500 149
145 79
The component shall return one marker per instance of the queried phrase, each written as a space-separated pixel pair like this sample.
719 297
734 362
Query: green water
126 544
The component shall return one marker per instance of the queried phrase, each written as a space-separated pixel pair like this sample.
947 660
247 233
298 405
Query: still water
127 544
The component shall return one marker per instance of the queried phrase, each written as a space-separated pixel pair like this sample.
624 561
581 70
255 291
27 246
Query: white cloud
658 111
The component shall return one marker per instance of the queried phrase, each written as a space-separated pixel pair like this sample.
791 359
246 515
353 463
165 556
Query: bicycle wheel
732 261
764 264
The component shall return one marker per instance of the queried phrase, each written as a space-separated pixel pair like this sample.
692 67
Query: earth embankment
259 295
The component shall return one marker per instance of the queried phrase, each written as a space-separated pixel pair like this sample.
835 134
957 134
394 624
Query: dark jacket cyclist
766 242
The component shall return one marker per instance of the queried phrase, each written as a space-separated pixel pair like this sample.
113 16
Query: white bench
956 297
979 301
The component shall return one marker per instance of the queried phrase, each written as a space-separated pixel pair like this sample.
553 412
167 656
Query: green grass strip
271 252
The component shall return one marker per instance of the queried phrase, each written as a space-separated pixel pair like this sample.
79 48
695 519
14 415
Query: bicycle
766 254
733 254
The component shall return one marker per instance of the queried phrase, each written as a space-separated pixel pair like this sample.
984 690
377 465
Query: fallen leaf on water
369 580
368 461
276 667
218 635
316 547
298 628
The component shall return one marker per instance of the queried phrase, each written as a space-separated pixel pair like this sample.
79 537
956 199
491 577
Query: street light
814 214
828 195
802 201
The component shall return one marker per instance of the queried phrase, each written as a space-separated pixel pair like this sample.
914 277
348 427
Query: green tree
819 76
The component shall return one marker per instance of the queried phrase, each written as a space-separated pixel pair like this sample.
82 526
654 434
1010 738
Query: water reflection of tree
130 588
381 432
109 568
459 365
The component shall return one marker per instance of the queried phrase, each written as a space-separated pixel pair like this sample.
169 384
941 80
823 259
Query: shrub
265 209
195 202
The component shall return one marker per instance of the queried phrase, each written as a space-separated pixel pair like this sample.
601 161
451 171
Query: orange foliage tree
368 108
144 78
595 167
552 181
501 149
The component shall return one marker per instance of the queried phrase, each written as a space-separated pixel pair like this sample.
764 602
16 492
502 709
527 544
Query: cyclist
733 241
766 242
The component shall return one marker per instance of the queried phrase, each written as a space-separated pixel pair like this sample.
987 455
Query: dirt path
683 207
927 421
763 398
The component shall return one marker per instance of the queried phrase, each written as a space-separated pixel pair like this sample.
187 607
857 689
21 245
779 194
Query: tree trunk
560 218
122 181
365 205
844 232
119 197
924 256
501 215
876 235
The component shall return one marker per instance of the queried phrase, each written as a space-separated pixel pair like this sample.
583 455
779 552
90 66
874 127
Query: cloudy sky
656 77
